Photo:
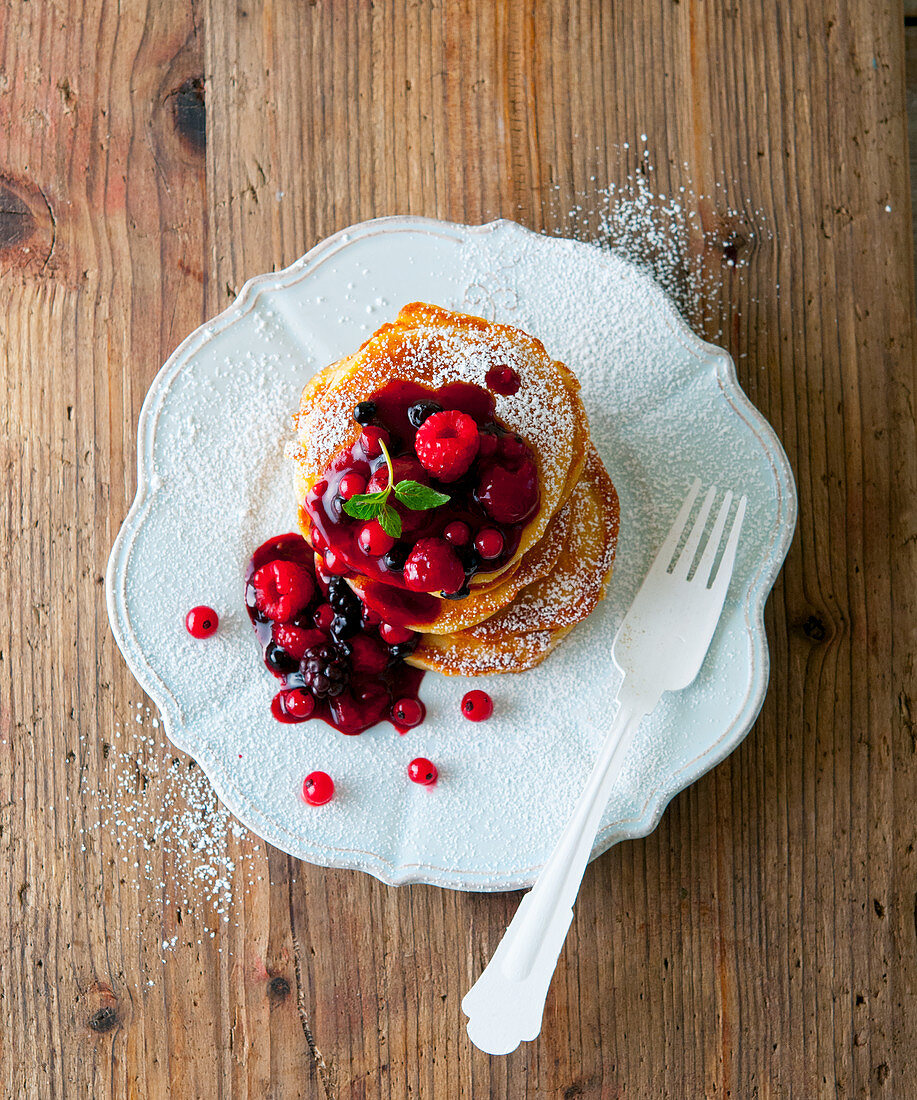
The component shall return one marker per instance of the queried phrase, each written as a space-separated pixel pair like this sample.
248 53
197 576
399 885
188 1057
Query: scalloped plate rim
387 871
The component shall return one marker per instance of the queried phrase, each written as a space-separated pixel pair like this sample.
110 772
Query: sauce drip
371 690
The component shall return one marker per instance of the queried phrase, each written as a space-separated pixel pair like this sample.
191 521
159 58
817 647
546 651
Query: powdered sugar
170 833
541 411
574 587
689 239
661 409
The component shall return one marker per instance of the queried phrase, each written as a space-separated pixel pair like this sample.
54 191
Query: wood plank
761 940
910 40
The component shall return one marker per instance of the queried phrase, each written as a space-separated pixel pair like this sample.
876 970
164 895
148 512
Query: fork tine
705 566
686 559
664 557
724 573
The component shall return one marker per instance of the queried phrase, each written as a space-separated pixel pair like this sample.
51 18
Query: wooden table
762 941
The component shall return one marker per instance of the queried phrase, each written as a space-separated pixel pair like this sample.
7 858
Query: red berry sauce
201 622
498 492
502 380
342 665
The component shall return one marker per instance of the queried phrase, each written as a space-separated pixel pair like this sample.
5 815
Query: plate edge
403 874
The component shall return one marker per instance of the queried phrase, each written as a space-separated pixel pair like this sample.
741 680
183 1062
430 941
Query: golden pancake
456 615
544 611
463 655
434 347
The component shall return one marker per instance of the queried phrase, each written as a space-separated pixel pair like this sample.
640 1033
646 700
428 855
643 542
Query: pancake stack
513 608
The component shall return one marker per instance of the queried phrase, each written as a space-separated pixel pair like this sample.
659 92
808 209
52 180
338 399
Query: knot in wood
27 227
189 113
104 1019
815 629
279 987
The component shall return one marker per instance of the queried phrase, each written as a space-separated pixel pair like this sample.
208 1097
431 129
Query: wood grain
910 40
762 941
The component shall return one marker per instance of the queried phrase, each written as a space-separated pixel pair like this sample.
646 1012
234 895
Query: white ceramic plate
212 485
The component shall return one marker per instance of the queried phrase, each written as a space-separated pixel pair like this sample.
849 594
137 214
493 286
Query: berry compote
335 660
489 474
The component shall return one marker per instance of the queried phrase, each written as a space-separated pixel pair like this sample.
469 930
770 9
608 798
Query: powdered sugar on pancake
571 591
551 605
542 411
434 347
471 656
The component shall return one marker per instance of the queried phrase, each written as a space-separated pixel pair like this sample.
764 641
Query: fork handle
506 1004
559 880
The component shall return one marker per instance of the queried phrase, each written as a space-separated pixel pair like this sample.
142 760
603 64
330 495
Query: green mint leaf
419 497
366 505
390 521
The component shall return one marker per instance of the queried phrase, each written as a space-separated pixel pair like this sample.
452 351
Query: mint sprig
413 495
417 497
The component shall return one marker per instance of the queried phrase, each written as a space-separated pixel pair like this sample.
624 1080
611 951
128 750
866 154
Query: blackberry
325 670
342 598
342 627
348 611
420 410
278 659
364 412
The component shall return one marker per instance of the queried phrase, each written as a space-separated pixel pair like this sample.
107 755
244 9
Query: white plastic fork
660 646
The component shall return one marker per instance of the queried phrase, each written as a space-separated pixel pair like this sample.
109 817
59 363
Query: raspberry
282 590
296 640
509 496
433 566
446 444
